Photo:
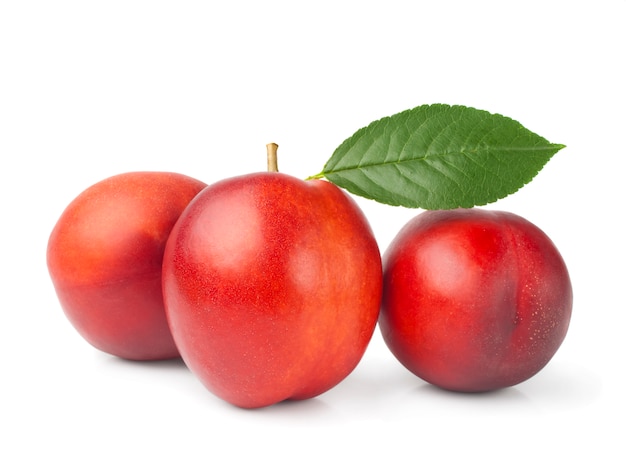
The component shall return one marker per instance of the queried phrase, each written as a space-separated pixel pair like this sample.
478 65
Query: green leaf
438 157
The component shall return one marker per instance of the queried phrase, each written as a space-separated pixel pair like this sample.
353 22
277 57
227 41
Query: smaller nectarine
474 300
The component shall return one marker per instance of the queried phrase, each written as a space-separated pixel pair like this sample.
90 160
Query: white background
91 89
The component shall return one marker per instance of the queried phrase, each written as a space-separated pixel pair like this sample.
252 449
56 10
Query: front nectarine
272 287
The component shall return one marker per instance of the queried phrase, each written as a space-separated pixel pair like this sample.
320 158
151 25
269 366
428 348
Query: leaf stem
272 157
319 176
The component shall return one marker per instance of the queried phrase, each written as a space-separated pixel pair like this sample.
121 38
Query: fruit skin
104 257
474 300
272 287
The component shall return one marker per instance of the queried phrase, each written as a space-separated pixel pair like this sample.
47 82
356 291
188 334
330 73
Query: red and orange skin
104 257
272 287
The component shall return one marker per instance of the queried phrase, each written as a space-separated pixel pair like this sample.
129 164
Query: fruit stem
272 157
